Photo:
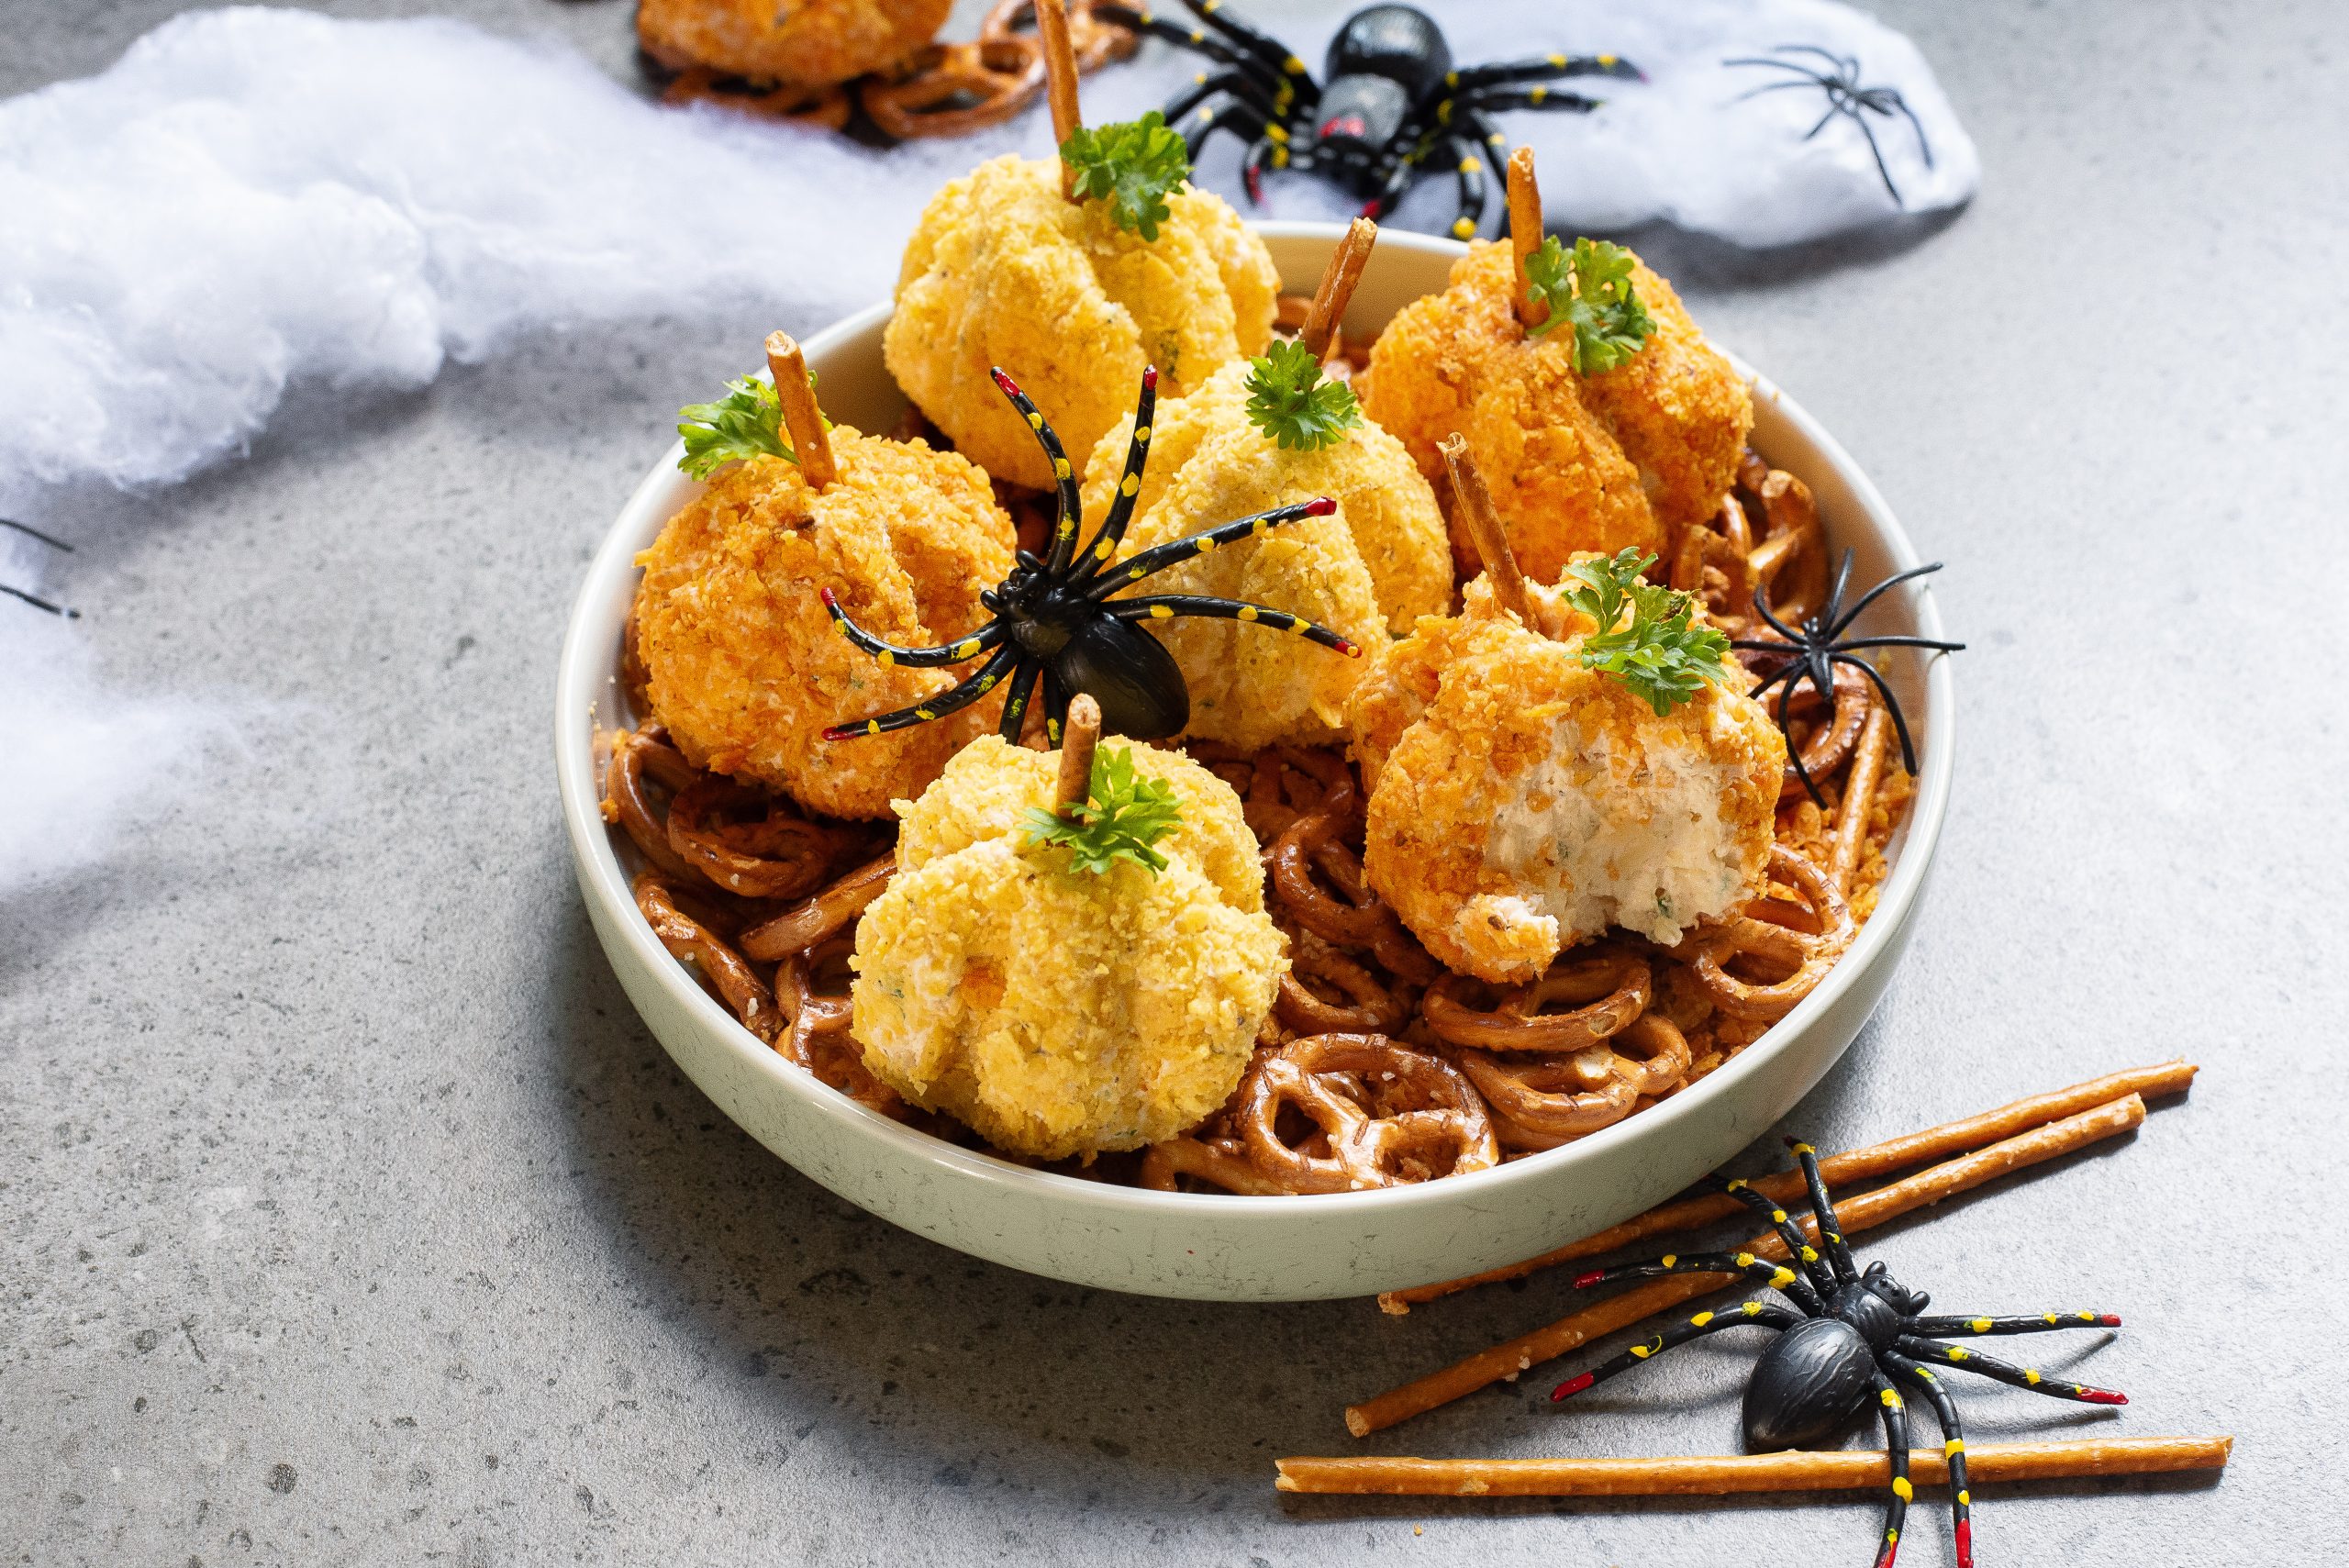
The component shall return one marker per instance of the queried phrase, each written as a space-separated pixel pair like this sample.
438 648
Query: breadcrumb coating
1523 804
1001 271
1575 463
746 669
1055 1011
810 43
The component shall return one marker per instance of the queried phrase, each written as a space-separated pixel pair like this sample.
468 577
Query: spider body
1853 1339
1391 107
1810 652
1838 78
1056 624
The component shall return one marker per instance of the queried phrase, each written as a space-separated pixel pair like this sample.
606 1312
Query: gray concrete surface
348 1215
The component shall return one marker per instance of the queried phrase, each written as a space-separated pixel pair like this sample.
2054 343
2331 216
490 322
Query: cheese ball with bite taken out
1056 1011
1576 462
1521 803
747 669
1003 270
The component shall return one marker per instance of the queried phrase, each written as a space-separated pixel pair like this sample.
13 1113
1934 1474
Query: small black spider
1392 102
1054 618
1841 82
1812 650
34 600
1857 1333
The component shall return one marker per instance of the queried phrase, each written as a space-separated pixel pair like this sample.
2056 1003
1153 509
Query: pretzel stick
1078 736
1840 1170
1060 81
1337 287
1929 1186
1525 233
809 440
823 915
1713 1476
1859 797
1473 502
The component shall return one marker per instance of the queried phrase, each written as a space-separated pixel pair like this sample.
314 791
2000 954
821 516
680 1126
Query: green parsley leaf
1132 164
1125 814
1590 290
746 422
1289 400
1660 653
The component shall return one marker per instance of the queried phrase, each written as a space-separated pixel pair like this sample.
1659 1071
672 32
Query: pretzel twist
1219 1160
1612 989
690 941
1761 933
1714 561
781 855
1542 1103
1327 1078
634 754
1370 1006
826 913
817 1038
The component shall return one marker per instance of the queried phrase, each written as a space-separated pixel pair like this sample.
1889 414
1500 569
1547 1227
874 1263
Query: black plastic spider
1054 618
1855 1332
34 600
1392 102
1841 82
1812 650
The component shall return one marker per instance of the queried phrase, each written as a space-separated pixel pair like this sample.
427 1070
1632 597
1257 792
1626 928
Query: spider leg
1797 670
1400 176
1160 557
1274 54
1901 642
1239 85
1762 607
1112 531
1543 68
1063 476
1777 1276
1891 705
1923 147
971 647
1843 65
1230 114
1199 40
1270 150
1877 152
37 602
1055 707
1838 623
2037 1323
1834 108
1895 1413
1788 1232
1166 606
952 700
1537 96
1471 172
1808 72
1015 701
2006 1371
1830 1234
1753 1314
1828 616
1961 1502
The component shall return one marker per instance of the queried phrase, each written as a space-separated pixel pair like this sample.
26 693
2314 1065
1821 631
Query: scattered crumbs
281 1478
1474 1487
1419 1529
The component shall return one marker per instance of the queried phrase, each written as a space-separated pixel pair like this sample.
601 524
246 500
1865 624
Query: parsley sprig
1124 815
1590 290
1289 400
746 422
1661 654
1133 164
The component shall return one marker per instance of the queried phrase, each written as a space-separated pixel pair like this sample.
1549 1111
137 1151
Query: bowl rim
589 662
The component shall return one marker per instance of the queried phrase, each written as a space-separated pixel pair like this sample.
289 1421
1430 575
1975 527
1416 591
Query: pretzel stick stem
809 440
1842 1170
1059 81
1337 287
1857 1213
1078 737
1474 503
1713 1476
1859 797
1525 232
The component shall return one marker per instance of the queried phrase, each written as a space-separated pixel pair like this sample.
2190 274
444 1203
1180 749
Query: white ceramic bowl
1213 1246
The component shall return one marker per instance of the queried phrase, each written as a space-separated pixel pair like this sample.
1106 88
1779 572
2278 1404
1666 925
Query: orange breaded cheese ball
1054 1010
1600 463
1522 804
801 43
746 669
1002 271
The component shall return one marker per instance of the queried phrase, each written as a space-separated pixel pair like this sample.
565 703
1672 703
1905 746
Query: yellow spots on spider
1160 612
2049 1315
1754 1309
1964 1498
1294 66
1980 1325
1198 35
1955 1446
1891 1400
1745 1260
1137 572
1247 612
1810 1255
1736 1186
965 649
1275 133
1804 1148
1102 550
1700 1320
988 685
2085 1317
1053 730
2030 1376
1280 157
888 660
1452 79
1035 420
1463 228
1606 60
1924 1376
1207 542
1777 1217
872 726
1198 78
1066 528
1643 1352
1299 627
1957 1353
1901 1489
1890 1536
1132 484
1472 165
924 714
1834 1240
1783 1278
1060 467
1669 1259
1207 111
1142 436
1537 94
1496 140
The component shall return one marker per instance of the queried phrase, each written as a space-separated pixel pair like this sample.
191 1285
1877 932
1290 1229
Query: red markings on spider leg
1965 1544
1572 1386
1320 506
838 732
2102 1396
1891 1550
1005 381
1584 1282
2108 1320
1351 650
1150 378
831 601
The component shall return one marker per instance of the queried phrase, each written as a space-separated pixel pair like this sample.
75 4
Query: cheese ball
1055 1011
1523 804
746 669
800 43
1575 463
1002 271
